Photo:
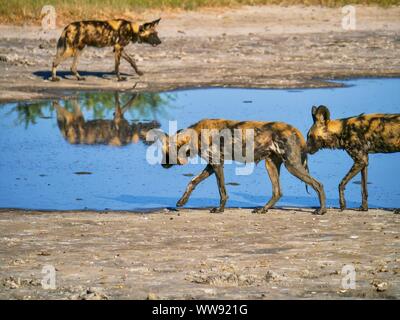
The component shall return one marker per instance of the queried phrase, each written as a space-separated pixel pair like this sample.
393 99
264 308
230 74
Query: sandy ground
193 254
246 47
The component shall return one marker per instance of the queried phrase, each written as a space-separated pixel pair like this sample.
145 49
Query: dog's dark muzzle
312 148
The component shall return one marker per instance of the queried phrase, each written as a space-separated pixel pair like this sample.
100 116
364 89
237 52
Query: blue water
37 165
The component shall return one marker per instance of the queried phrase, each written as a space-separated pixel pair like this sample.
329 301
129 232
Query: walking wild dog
116 132
274 142
117 33
359 136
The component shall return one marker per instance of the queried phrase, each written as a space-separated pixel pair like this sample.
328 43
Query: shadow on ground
46 75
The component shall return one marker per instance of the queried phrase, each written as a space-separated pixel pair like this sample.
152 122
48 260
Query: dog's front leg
132 62
208 170
117 53
219 173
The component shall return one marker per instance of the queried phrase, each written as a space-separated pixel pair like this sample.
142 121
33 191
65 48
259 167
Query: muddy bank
192 254
261 47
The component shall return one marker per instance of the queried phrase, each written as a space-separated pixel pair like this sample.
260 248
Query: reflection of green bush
146 106
28 113
150 106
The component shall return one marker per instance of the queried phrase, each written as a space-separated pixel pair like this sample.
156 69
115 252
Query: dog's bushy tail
62 41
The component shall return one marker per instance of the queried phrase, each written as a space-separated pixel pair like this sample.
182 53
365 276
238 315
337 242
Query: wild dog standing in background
117 33
117 132
359 136
274 142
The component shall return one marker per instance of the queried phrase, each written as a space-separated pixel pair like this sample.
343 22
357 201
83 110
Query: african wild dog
274 142
117 33
359 136
117 132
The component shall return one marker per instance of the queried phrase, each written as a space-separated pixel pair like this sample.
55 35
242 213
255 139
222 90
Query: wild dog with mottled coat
359 136
274 142
116 33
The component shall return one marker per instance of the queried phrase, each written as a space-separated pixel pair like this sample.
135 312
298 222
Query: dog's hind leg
273 166
74 66
62 54
300 172
193 183
132 62
219 173
364 189
360 161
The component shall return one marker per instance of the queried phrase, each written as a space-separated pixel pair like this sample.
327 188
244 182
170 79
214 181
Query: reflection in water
28 113
144 107
118 131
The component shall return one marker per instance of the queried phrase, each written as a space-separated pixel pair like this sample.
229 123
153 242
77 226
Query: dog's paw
81 78
320 211
121 78
181 202
261 210
217 210
363 208
139 73
55 79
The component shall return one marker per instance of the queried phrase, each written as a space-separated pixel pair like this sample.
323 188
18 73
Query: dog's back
269 137
95 33
378 133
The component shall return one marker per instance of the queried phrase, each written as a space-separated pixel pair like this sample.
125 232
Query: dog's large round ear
314 112
149 25
323 113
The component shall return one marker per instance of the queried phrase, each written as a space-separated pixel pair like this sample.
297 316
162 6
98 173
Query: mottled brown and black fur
274 142
117 132
359 136
116 33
